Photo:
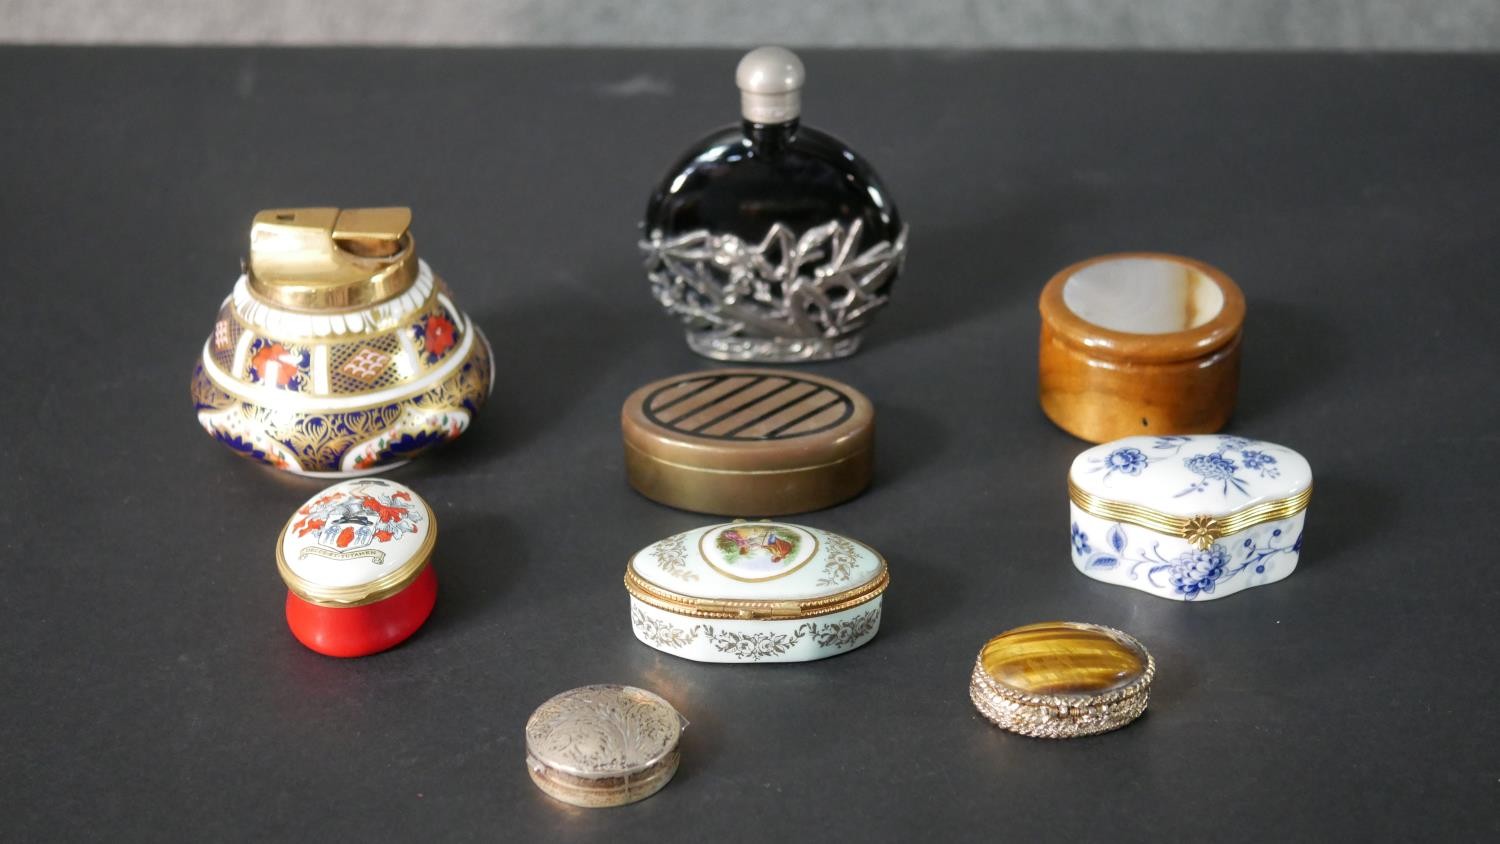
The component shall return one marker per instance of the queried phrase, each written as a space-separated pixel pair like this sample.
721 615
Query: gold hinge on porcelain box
1202 530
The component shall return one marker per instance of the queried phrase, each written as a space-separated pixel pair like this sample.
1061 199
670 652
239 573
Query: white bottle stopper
770 81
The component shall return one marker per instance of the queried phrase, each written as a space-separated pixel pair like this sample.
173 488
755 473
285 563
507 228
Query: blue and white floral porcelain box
1188 517
756 592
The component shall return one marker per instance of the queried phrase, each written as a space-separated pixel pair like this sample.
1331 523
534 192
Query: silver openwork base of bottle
771 350
788 299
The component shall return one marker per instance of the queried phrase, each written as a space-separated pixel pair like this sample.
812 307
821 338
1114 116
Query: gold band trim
1203 530
648 593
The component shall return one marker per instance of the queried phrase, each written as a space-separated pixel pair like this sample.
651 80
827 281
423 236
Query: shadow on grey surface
471 577
1013 254
933 595
548 353
1346 516
906 439
1289 354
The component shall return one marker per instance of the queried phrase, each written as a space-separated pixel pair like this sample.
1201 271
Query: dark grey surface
151 690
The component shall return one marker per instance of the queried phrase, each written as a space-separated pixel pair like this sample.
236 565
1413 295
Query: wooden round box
1140 343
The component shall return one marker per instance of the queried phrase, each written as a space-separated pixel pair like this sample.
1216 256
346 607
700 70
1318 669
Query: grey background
1161 24
151 690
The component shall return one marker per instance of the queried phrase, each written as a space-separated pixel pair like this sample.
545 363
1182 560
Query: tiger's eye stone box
1062 679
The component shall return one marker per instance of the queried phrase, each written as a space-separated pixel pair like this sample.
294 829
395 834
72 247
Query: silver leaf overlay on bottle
788 298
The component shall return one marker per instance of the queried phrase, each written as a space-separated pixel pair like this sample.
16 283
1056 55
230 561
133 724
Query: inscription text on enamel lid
356 534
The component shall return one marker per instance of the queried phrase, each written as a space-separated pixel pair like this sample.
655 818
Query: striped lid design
747 406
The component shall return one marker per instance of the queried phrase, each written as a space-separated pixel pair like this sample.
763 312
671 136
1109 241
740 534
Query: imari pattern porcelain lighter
339 352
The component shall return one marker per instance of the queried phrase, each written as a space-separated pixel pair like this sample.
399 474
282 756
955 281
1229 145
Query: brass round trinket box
1062 679
740 442
339 352
605 745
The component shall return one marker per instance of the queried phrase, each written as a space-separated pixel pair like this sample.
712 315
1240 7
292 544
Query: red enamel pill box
356 559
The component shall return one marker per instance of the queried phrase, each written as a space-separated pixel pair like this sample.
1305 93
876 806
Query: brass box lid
748 441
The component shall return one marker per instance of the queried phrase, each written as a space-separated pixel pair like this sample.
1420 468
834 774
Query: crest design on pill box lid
355 542
346 521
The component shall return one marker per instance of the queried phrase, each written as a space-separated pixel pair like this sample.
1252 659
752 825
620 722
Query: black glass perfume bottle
772 241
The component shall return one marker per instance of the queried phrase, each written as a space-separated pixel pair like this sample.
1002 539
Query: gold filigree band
1203 530
653 595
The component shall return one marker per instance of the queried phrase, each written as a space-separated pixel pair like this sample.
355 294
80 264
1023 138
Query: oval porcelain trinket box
758 591
606 745
339 352
771 241
356 559
1188 518
1062 679
735 441
1140 343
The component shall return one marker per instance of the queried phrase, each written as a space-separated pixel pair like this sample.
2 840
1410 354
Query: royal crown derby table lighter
771 241
1062 679
1188 518
605 745
756 592
357 561
748 441
1140 343
339 352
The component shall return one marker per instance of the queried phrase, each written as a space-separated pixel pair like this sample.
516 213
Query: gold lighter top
330 259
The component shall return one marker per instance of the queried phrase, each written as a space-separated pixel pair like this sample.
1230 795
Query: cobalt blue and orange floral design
434 335
277 365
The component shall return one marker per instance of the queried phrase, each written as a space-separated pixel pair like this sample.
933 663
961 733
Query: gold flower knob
1202 531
